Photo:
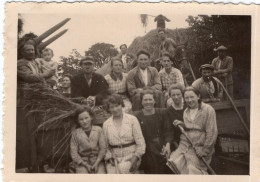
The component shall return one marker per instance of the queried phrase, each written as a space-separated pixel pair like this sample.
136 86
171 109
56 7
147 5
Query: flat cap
206 66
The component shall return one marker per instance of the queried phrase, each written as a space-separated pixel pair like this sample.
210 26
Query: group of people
145 141
146 138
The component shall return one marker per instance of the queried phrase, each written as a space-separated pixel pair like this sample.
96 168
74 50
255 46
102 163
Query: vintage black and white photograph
133 93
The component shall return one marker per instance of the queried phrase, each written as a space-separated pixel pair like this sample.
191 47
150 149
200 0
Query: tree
69 65
208 32
102 53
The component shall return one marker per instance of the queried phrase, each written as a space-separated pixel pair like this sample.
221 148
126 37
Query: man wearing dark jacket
88 84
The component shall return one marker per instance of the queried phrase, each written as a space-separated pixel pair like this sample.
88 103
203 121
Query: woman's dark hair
195 91
147 90
82 109
176 86
143 52
115 99
68 76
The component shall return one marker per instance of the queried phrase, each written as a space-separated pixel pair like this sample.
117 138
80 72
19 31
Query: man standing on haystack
167 44
160 19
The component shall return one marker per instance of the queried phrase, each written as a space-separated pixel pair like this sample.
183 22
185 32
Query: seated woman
87 145
124 139
175 110
157 134
66 85
200 125
117 81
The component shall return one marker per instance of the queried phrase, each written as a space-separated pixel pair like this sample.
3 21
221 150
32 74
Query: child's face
47 55
84 120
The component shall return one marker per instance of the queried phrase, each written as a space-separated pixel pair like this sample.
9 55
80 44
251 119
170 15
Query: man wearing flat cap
88 84
223 66
208 87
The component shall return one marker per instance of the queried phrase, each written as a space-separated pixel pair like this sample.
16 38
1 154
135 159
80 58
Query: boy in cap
223 66
208 87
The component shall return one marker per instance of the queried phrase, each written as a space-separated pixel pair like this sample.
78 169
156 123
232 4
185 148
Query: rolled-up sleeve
211 130
138 137
74 148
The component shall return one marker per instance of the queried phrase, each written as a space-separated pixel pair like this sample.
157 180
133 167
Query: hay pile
55 114
151 42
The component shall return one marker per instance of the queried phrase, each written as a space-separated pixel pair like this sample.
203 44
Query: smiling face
176 96
117 66
191 99
166 62
66 82
115 109
148 101
85 120
28 52
143 61
87 66
206 74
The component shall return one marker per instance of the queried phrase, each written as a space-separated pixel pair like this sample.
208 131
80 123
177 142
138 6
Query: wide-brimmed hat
221 48
206 66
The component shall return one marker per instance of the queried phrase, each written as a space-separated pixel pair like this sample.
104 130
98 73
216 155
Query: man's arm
157 82
130 83
103 85
229 67
26 74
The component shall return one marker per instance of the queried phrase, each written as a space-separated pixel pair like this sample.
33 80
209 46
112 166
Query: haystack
151 42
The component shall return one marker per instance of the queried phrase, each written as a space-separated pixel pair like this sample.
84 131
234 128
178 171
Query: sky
84 30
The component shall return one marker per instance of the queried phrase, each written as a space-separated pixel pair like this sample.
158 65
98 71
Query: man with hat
223 66
88 84
208 87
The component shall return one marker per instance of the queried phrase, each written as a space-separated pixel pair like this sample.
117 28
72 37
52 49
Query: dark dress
173 114
156 132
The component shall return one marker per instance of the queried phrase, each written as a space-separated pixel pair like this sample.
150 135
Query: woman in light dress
200 125
124 138
87 145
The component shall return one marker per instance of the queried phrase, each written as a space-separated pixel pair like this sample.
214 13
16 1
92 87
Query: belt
193 129
122 146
